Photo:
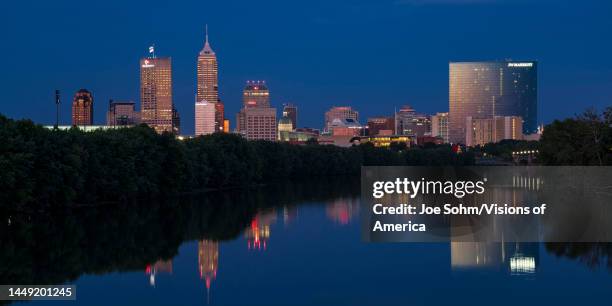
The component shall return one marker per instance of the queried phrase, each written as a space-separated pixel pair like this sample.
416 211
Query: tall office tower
157 109
342 113
291 111
439 126
256 119
82 108
489 89
208 82
204 118
122 113
409 122
256 94
381 125
492 130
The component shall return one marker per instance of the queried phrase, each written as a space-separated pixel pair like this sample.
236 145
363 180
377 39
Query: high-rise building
256 119
439 126
291 111
256 94
492 130
82 108
409 122
381 125
257 123
122 113
342 113
157 109
488 89
204 118
208 82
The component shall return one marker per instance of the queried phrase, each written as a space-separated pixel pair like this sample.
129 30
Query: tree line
44 168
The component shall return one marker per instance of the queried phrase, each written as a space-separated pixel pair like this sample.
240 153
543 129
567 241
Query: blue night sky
373 55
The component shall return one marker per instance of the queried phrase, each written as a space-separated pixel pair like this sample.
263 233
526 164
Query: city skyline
310 60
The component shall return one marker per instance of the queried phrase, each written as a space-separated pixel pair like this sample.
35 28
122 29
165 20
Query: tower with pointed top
207 86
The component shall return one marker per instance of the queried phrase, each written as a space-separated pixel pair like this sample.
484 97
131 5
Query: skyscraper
208 82
157 109
483 90
291 111
82 108
256 94
342 113
256 119
204 118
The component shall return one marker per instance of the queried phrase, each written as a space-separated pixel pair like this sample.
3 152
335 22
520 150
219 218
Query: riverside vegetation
44 169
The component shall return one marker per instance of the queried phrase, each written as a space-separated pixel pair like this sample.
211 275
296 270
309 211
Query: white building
204 118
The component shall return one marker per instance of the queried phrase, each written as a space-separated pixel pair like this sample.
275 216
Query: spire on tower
207 49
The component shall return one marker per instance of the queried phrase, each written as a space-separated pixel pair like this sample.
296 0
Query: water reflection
258 233
342 210
208 262
161 266
518 259
148 238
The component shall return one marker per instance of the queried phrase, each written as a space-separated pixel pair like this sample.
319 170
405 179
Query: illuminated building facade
340 113
493 130
285 126
82 108
378 124
256 94
157 109
291 111
487 89
439 126
204 118
384 140
257 120
122 113
208 82
257 123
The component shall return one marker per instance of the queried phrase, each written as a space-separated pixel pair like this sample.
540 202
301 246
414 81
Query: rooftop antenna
206 32
57 106
152 51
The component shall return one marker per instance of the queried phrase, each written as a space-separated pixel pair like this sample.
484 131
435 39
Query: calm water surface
297 245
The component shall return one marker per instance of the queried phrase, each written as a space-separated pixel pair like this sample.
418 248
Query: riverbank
45 169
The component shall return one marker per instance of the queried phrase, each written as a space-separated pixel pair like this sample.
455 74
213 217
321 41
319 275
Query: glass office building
487 89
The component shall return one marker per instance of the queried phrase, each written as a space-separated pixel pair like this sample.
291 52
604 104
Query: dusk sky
372 55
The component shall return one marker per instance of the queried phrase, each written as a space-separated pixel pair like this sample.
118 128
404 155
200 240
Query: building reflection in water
518 258
161 266
208 262
343 210
258 233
